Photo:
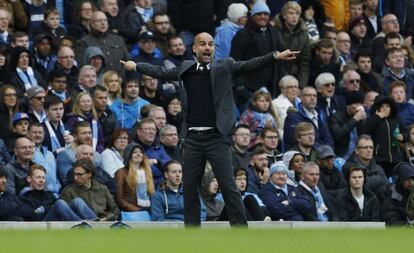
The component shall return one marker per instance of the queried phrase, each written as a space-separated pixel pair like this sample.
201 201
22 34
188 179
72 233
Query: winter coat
389 78
11 208
125 197
332 180
34 199
16 176
348 209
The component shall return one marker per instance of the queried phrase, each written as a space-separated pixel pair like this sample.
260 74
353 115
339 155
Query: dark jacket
34 199
348 209
332 180
316 68
11 208
56 36
108 123
238 159
16 176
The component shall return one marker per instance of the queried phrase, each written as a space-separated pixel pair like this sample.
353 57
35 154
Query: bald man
208 106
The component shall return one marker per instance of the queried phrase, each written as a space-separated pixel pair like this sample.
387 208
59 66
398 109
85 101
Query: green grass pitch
207 240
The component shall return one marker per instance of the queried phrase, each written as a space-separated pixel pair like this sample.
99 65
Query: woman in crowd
9 103
212 199
112 82
112 157
295 161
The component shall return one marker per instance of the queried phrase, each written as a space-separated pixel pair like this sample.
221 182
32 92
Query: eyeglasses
10 95
39 98
354 81
79 174
122 138
366 147
392 21
329 84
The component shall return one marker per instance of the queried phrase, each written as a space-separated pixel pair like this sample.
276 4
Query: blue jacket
47 159
322 133
272 198
253 183
222 40
127 114
389 78
406 113
167 204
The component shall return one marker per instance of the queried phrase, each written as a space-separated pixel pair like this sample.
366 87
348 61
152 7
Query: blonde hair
260 93
291 5
76 109
106 78
131 178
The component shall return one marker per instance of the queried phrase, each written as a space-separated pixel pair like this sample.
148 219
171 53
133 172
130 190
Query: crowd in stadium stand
328 136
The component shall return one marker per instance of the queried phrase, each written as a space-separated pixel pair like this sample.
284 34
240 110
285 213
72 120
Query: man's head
36 96
146 131
371 5
54 108
331 34
176 46
393 40
5 17
343 43
365 148
169 136
354 101
389 23
99 22
42 45
23 150
369 99
394 59
146 42
21 121
157 114
326 157
110 7
260 14
100 98
308 97
237 13
66 57
355 8
3 180
58 80
82 133
404 177
258 159
398 91
87 77
173 174
20 39
83 171
84 151
305 134
279 173
130 89
203 48
269 137
36 133
358 27
310 174
324 51
352 80
291 14
241 136
325 85
37 177
146 4
364 62
149 84
356 178
162 23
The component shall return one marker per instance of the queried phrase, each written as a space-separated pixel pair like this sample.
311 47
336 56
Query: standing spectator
162 29
113 156
81 25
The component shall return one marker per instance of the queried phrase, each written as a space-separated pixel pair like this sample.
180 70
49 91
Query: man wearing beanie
281 199
358 34
345 125
236 19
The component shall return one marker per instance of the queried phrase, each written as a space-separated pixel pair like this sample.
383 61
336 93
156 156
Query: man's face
37 134
291 17
393 43
85 152
398 94
147 46
22 127
174 175
24 149
306 138
99 22
66 57
309 99
259 161
84 136
332 36
144 3
43 47
3 184
352 82
365 149
176 47
80 177
132 90
324 55
37 180
150 83
261 19
55 113
328 162
111 7
279 178
364 64
355 10
101 100
327 90
97 62
162 24
390 24
241 182
270 140
87 78
204 48
241 137
359 31
4 21
53 21
356 180
169 138
37 101
395 60
146 133
371 4
343 43
311 177
408 184
370 99
23 42
159 118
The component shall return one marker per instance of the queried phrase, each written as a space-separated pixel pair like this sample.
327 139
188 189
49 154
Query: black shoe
83 225
120 225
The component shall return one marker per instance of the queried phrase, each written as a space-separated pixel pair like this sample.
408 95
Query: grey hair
166 128
154 109
87 67
307 167
287 79
323 79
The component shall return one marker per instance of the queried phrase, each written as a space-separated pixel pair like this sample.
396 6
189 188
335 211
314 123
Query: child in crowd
50 26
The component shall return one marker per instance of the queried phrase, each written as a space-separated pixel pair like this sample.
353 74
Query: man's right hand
128 65
360 114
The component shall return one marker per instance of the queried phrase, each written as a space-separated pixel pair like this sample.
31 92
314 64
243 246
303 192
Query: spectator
356 202
321 208
358 34
86 81
20 127
173 110
351 81
5 37
258 171
36 97
370 81
177 53
113 156
43 59
94 194
294 160
17 15
328 102
169 140
9 103
137 15
372 18
314 16
162 29
356 8
369 99
151 91
96 58
214 205
115 19
343 45
305 137
20 39
111 80
405 110
66 62
107 118
269 139
409 146
135 181
35 12
50 26
293 35
240 157
81 26
236 19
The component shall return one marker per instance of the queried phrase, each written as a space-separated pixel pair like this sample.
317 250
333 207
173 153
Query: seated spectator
356 202
113 156
321 208
20 39
351 81
394 206
280 198
35 13
313 15
331 178
289 97
57 86
343 46
22 76
328 102
106 117
135 181
269 140
137 14
43 58
44 206
20 127
66 62
240 157
358 33
259 115
369 99
363 156
96 58
82 19
9 104
4 154
177 53
86 81
214 205
16 15
17 169
51 27
305 137
115 16
173 110
167 203
405 109
169 140
36 97
258 170
95 195
161 26
111 80
3 66
5 36
294 160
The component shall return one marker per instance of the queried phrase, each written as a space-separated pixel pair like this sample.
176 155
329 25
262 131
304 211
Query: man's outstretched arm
159 72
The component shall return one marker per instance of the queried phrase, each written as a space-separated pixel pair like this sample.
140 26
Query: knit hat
34 91
325 151
236 11
356 21
260 7
403 171
354 97
278 167
20 116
